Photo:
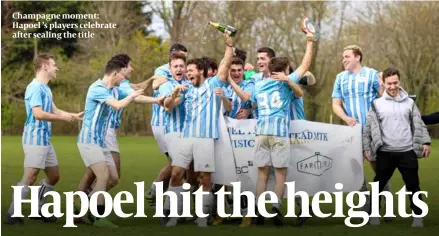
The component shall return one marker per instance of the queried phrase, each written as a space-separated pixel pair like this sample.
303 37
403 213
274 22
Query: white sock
244 212
177 190
24 192
153 187
45 187
207 200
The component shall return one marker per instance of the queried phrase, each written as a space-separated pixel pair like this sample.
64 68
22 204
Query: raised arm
223 70
142 99
308 79
158 80
298 92
227 103
175 98
120 104
306 61
245 96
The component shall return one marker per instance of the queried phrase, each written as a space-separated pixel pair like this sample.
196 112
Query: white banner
321 156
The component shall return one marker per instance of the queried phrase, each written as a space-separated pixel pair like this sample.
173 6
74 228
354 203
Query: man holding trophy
272 97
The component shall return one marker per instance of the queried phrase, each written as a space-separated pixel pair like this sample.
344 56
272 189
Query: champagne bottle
224 28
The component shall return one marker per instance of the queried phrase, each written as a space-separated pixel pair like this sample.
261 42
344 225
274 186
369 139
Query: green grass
141 161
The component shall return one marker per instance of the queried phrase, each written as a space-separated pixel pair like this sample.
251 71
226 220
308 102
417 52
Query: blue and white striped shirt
237 103
357 91
273 99
158 112
256 78
116 115
297 111
37 132
174 121
202 110
97 113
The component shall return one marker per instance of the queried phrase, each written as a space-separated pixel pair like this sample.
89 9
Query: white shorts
200 150
39 157
111 140
272 151
171 140
159 136
92 154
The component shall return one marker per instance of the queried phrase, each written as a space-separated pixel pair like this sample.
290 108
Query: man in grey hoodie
395 136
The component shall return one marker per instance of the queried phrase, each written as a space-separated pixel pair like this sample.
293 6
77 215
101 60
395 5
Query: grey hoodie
394 116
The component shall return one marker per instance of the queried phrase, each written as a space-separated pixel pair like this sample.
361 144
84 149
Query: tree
175 17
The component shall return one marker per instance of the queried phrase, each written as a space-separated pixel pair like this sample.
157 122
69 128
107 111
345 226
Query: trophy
308 25
224 28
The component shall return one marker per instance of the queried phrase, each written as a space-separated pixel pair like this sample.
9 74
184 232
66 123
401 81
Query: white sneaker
202 222
374 221
172 222
418 222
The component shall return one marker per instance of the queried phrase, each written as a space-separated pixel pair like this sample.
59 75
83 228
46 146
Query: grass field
140 162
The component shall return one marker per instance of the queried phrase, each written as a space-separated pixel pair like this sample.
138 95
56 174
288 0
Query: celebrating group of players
189 96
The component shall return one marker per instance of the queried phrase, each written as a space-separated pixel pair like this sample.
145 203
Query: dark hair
199 64
113 65
124 58
237 61
270 52
177 55
177 47
390 72
42 59
241 54
278 64
210 63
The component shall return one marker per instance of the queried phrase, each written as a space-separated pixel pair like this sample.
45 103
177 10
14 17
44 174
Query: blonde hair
356 50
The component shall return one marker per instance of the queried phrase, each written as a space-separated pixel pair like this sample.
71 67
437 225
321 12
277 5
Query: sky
158 27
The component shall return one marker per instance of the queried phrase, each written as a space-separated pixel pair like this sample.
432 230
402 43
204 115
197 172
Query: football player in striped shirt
162 74
174 117
91 139
158 111
116 115
239 110
272 98
354 90
297 111
200 128
39 153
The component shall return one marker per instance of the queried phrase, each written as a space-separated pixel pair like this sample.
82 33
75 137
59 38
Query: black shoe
13 220
164 220
260 219
302 220
278 219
